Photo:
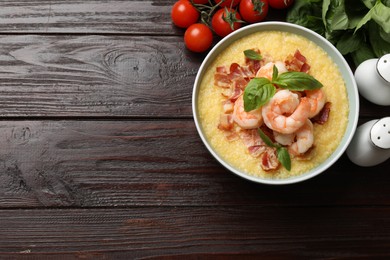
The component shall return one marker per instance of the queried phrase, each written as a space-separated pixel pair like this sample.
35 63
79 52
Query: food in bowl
258 146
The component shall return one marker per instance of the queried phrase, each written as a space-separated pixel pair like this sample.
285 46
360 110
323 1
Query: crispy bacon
237 76
236 93
231 136
297 62
240 82
225 122
256 150
237 71
227 106
323 116
222 79
252 140
250 137
253 65
269 159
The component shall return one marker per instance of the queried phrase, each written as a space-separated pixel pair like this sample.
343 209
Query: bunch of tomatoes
203 17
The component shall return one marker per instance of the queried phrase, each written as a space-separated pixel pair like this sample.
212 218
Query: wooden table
100 158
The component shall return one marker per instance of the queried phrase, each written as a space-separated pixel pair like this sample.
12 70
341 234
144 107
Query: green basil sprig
297 81
282 153
257 93
251 54
260 90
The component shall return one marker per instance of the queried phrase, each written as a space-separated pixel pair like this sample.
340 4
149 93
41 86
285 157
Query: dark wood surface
100 158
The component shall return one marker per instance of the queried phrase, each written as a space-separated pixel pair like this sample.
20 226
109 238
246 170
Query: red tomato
228 3
184 14
280 4
222 20
253 11
198 37
202 2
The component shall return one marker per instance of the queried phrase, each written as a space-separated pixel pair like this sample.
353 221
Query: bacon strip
269 160
237 71
225 122
250 137
238 76
323 116
297 62
256 150
221 78
253 65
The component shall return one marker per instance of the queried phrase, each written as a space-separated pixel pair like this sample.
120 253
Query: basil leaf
349 42
356 11
298 81
369 3
381 15
258 92
325 8
308 14
275 73
282 152
364 20
339 20
284 157
365 52
251 54
265 138
378 44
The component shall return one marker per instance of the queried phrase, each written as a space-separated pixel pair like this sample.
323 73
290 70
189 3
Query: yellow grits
278 45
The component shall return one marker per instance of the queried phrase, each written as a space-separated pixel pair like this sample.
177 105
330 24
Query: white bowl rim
352 92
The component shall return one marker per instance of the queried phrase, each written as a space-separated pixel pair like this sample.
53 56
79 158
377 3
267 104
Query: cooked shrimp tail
285 113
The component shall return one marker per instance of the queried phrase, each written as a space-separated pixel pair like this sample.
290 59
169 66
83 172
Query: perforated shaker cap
383 67
380 133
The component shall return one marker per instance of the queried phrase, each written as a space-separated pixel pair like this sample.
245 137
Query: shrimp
317 101
284 139
267 70
246 120
285 113
304 139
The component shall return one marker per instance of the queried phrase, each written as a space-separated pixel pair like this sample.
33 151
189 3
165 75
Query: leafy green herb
282 152
284 157
379 45
307 14
258 92
349 42
266 139
358 28
275 73
298 81
251 54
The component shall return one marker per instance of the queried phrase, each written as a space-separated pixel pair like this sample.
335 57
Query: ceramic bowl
333 53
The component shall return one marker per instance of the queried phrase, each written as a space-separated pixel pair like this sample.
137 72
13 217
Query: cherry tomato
228 3
280 4
198 37
202 2
184 14
253 11
223 18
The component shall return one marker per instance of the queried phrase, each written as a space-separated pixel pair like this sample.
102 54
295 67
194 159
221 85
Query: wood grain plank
307 233
94 17
95 76
152 163
102 76
75 16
